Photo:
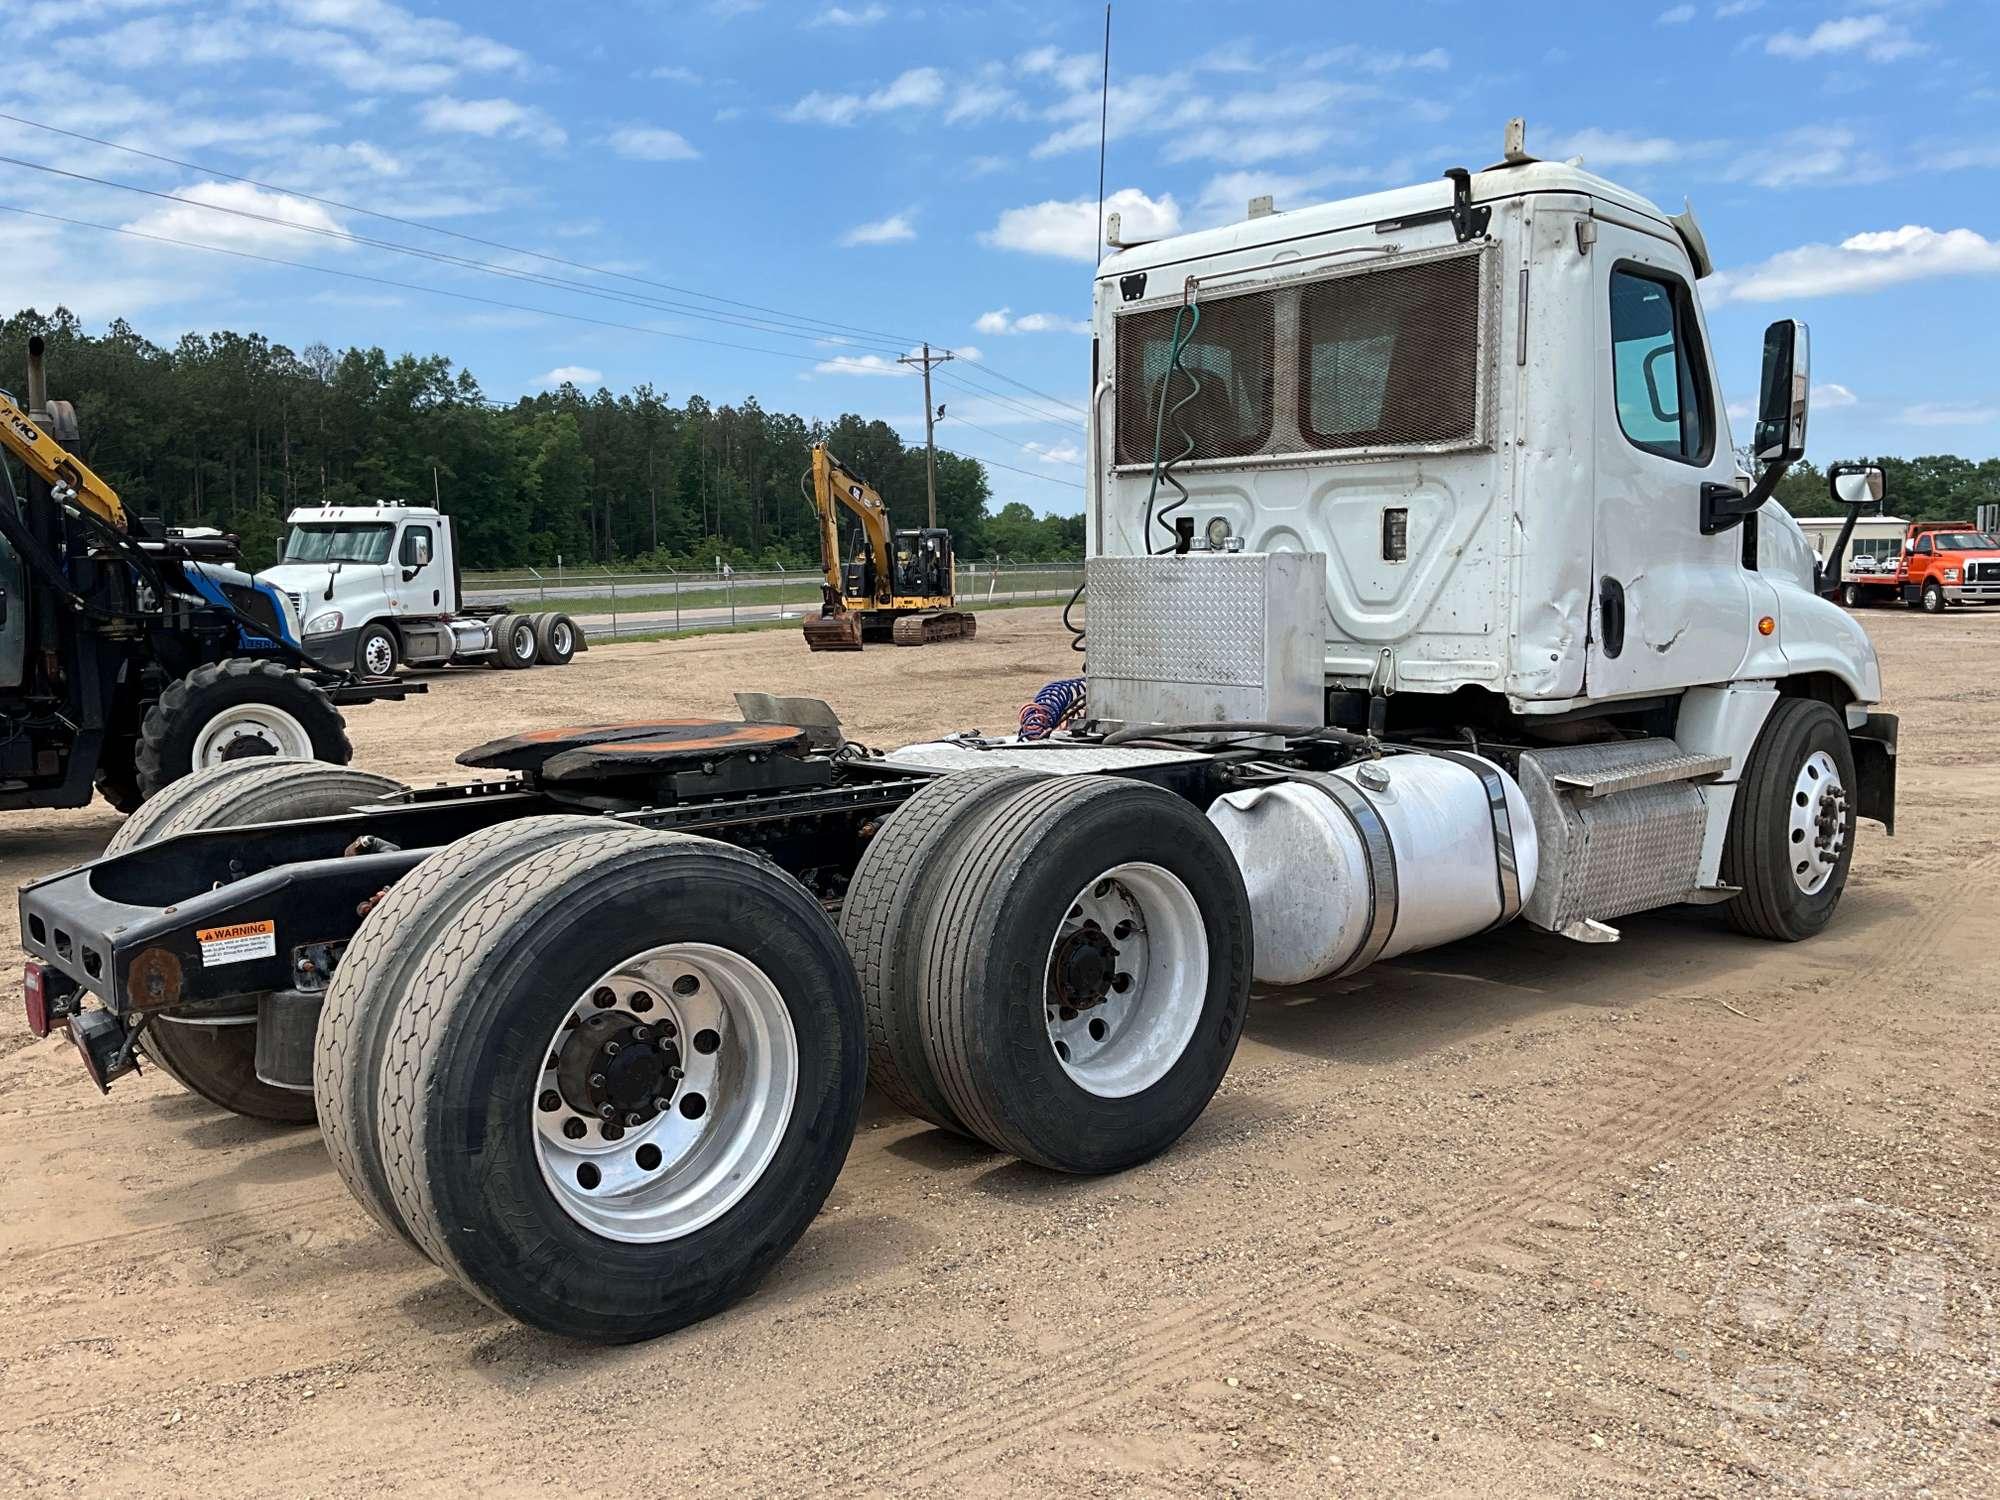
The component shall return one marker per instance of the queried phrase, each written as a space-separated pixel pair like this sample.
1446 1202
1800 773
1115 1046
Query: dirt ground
1689 1214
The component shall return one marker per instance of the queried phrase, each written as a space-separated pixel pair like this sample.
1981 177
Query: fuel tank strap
1506 868
1380 852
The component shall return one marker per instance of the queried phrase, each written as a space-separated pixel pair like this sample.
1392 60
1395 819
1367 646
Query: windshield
344 542
1964 541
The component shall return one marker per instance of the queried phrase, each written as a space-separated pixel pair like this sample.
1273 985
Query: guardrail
608 605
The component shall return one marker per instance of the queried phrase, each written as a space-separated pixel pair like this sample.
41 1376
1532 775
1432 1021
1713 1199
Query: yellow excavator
900 585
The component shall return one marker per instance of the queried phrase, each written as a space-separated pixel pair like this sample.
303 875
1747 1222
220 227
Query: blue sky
930 171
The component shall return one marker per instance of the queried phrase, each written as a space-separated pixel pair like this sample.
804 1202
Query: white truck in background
377 587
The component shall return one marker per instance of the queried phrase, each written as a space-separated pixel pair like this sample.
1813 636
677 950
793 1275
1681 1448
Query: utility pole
926 360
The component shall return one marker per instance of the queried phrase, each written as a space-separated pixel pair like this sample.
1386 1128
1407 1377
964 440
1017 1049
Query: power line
471 239
1012 442
1012 403
753 325
1028 473
1032 390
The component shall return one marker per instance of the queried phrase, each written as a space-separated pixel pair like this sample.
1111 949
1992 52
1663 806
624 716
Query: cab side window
1923 546
1659 374
416 549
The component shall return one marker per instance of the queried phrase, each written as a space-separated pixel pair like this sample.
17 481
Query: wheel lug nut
642 1034
666 1028
603 999
635 1118
607 1112
597 1080
663 1103
551 1099
611 1049
676 1074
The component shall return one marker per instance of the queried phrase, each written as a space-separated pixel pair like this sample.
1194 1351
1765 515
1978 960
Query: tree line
1935 487
233 431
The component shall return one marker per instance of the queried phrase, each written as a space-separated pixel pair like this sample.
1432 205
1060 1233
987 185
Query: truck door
415 575
1670 606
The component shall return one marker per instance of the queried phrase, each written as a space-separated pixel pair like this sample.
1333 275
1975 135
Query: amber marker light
1766 625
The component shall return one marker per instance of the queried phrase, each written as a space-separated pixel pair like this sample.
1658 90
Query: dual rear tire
1058 966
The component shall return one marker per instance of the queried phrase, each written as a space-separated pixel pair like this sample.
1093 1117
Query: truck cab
1949 562
375 585
1487 408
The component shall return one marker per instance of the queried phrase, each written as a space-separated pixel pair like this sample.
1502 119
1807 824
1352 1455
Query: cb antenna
1103 133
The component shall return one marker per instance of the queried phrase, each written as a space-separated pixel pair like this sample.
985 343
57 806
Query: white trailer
378 587
1423 596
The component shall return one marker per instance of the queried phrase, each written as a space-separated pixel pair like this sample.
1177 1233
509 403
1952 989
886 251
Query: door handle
1611 615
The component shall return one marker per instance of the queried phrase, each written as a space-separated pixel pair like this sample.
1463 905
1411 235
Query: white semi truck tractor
1424 595
378 587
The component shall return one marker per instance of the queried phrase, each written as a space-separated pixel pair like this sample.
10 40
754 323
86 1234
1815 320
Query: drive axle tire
237 710
555 639
1850 595
376 653
730 1106
1791 831
1086 972
514 641
882 921
373 976
219 1062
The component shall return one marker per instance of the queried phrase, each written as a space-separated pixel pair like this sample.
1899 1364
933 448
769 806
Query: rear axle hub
614 1066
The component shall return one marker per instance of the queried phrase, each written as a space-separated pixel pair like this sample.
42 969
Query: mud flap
1875 769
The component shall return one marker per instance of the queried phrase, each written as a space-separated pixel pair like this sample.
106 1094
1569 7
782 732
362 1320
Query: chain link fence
607 605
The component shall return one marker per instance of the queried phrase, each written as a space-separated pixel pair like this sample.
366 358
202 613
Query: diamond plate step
1614 779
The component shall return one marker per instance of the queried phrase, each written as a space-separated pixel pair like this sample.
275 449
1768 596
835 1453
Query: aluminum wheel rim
378 656
1129 1038
686 1164
560 638
1816 831
250 729
523 644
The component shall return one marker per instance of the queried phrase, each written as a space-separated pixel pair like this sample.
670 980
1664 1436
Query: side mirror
1785 394
1855 484
416 549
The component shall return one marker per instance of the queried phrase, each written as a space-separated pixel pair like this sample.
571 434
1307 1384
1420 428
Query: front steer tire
171 738
1760 854
471 1048
1026 881
220 1062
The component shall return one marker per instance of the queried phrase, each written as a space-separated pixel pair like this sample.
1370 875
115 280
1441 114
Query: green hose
1165 471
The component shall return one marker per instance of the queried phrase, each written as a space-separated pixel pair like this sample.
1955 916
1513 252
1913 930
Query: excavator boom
886 598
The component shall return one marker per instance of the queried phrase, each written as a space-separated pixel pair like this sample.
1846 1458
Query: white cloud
1861 263
1002 320
581 376
1812 153
492 118
1069 71
841 15
650 143
971 353
1245 147
231 228
986 166
1615 148
980 101
1941 414
1069 228
1729 9
1062 455
887 231
1676 15
915 88
1830 395
1875 36
1380 63
1226 197
675 73
860 364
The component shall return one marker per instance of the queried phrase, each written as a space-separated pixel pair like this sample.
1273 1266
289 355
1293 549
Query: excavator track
928 630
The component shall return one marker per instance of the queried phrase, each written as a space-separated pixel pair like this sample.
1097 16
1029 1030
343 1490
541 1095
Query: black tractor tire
219 1062
514 642
1933 599
882 922
470 1049
1758 854
373 977
989 959
555 639
380 642
174 725
117 775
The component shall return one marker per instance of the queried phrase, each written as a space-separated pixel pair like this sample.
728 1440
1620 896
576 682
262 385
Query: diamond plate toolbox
1207 637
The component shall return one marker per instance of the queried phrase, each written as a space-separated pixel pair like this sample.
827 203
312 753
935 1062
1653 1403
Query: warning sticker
237 943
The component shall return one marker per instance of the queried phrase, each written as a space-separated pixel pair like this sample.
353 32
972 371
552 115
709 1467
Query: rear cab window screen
1218 393
1658 370
1363 362
1390 358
